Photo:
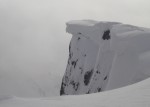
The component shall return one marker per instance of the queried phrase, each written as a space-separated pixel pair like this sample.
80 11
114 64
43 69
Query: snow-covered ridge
104 56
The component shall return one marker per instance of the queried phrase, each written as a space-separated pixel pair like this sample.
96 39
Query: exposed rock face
93 50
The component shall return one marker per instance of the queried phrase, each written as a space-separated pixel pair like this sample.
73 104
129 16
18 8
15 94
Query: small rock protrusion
62 90
106 35
99 89
105 78
79 38
74 63
87 77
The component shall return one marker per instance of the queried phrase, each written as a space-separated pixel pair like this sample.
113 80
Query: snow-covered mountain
104 56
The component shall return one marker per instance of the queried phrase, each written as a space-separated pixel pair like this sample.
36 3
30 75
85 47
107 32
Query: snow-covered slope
104 56
137 95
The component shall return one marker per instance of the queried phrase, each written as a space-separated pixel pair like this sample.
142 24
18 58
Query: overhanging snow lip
84 26
82 22
76 27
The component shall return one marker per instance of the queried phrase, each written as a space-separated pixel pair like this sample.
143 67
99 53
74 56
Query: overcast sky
32 32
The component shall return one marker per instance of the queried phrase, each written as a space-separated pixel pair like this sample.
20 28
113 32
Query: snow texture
137 95
105 56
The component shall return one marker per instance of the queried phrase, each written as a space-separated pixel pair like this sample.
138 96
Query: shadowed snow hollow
104 56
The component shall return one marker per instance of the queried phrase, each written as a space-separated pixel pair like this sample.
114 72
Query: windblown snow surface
137 95
119 57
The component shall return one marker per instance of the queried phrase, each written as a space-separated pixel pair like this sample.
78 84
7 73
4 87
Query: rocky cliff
104 56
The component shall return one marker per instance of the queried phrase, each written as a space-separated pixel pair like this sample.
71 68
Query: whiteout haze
102 56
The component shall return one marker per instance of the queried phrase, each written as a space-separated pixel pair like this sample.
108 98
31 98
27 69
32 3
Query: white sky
32 32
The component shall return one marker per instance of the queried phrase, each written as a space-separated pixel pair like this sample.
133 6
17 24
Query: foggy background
34 43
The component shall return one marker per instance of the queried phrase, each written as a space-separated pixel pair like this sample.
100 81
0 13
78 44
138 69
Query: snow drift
137 95
105 56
